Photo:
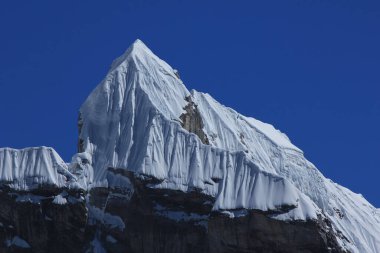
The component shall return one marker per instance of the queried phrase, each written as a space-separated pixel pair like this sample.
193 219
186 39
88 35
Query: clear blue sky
311 68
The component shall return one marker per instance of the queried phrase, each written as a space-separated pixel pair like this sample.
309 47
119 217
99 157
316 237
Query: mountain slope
142 119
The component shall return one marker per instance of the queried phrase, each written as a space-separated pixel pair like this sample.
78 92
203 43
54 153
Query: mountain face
164 169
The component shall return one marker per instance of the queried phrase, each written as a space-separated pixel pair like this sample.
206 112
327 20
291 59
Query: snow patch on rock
109 220
30 198
18 242
59 200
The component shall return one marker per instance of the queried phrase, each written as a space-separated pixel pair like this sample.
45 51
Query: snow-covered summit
142 118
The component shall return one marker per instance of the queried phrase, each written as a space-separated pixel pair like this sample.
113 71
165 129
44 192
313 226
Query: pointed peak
137 49
139 42
138 45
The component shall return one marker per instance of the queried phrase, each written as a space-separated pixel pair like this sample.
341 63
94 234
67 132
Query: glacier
132 121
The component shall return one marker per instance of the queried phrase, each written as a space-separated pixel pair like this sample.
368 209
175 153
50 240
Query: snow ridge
30 168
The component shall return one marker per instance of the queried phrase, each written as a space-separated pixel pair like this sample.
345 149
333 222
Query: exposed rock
80 141
192 120
173 221
137 218
44 225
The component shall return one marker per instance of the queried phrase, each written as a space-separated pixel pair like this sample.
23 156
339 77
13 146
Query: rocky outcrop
80 141
192 120
48 220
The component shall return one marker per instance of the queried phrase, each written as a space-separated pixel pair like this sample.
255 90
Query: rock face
148 221
164 169
40 223
173 221
192 120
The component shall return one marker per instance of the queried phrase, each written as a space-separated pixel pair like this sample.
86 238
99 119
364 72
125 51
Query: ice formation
30 168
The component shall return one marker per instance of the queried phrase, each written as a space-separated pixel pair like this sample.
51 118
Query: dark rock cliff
146 220
32 222
192 120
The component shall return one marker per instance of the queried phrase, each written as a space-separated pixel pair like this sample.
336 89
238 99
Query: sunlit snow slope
132 121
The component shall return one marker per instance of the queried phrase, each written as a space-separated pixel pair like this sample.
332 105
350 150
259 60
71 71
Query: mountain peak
139 43
133 121
137 49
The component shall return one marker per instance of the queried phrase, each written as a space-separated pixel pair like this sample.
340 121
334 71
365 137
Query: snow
31 198
81 167
96 246
179 215
235 213
135 112
18 242
273 134
111 239
119 181
30 167
131 121
109 220
121 187
234 131
59 200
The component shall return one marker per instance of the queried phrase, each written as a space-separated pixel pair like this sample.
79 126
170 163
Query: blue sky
310 68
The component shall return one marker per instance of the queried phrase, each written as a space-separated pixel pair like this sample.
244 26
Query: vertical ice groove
25 169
